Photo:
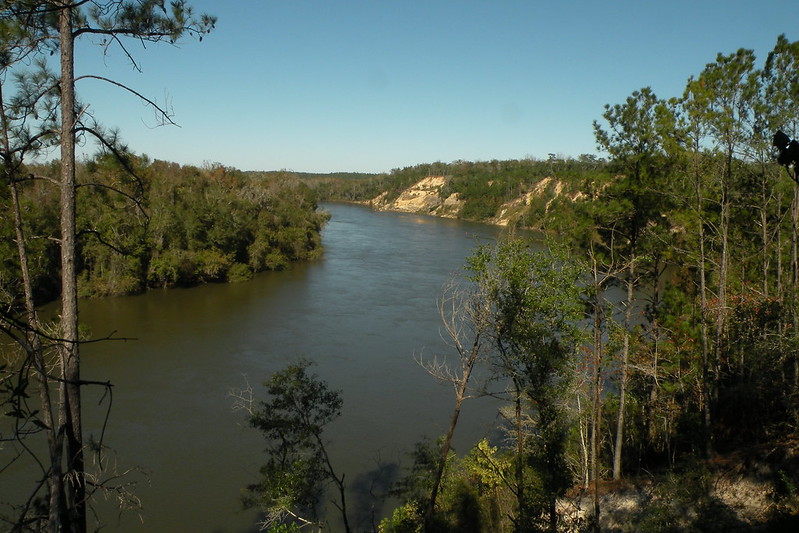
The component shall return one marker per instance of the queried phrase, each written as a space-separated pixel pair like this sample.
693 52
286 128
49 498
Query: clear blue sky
371 85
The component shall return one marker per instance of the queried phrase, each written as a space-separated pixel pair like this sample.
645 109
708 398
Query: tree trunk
778 259
69 347
597 395
54 443
795 273
32 336
584 446
625 357
721 307
460 393
522 516
706 379
764 232
654 392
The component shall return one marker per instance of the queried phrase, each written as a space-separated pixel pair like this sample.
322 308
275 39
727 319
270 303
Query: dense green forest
147 224
670 360
482 186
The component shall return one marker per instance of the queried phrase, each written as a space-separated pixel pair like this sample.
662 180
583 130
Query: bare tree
466 318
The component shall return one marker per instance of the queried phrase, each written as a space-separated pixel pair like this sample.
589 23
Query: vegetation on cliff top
482 187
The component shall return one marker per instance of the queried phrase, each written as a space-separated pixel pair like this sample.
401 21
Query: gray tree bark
69 345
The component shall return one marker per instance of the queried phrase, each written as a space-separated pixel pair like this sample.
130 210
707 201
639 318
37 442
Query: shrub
239 272
405 519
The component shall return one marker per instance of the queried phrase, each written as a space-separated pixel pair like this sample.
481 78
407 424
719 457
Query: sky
373 85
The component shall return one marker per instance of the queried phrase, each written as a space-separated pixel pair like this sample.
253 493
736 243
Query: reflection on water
361 313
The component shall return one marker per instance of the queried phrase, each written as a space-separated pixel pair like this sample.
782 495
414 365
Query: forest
154 224
652 343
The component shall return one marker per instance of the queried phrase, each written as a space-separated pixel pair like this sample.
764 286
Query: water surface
361 313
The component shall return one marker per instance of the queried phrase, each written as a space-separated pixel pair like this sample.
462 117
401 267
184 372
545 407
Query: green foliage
156 224
464 504
487 467
536 294
475 494
753 407
690 197
292 420
536 302
239 272
532 302
285 528
40 221
692 212
683 502
407 518
226 217
417 484
30 31
482 186
489 470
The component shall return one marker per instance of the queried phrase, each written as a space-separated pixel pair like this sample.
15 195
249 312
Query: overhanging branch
165 114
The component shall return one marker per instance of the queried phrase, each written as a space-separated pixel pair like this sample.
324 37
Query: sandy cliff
426 197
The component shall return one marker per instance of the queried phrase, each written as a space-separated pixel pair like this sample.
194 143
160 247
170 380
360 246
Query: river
361 313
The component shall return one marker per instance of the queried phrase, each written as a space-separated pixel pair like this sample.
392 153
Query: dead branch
165 115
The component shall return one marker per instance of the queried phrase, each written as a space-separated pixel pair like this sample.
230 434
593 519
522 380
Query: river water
362 313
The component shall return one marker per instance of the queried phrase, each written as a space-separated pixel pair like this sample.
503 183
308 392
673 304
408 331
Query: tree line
482 186
659 333
157 224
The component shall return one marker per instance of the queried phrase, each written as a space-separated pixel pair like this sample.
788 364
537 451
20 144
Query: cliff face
425 197
549 188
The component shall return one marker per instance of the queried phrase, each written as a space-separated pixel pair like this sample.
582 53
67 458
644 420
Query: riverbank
430 196
174 226
520 193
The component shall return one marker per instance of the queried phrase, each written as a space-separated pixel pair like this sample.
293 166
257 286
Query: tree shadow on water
369 494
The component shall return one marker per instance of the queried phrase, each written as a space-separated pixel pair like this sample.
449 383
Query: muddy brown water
362 313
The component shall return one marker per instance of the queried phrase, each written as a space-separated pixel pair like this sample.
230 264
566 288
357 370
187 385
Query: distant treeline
482 186
314 178
148 223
